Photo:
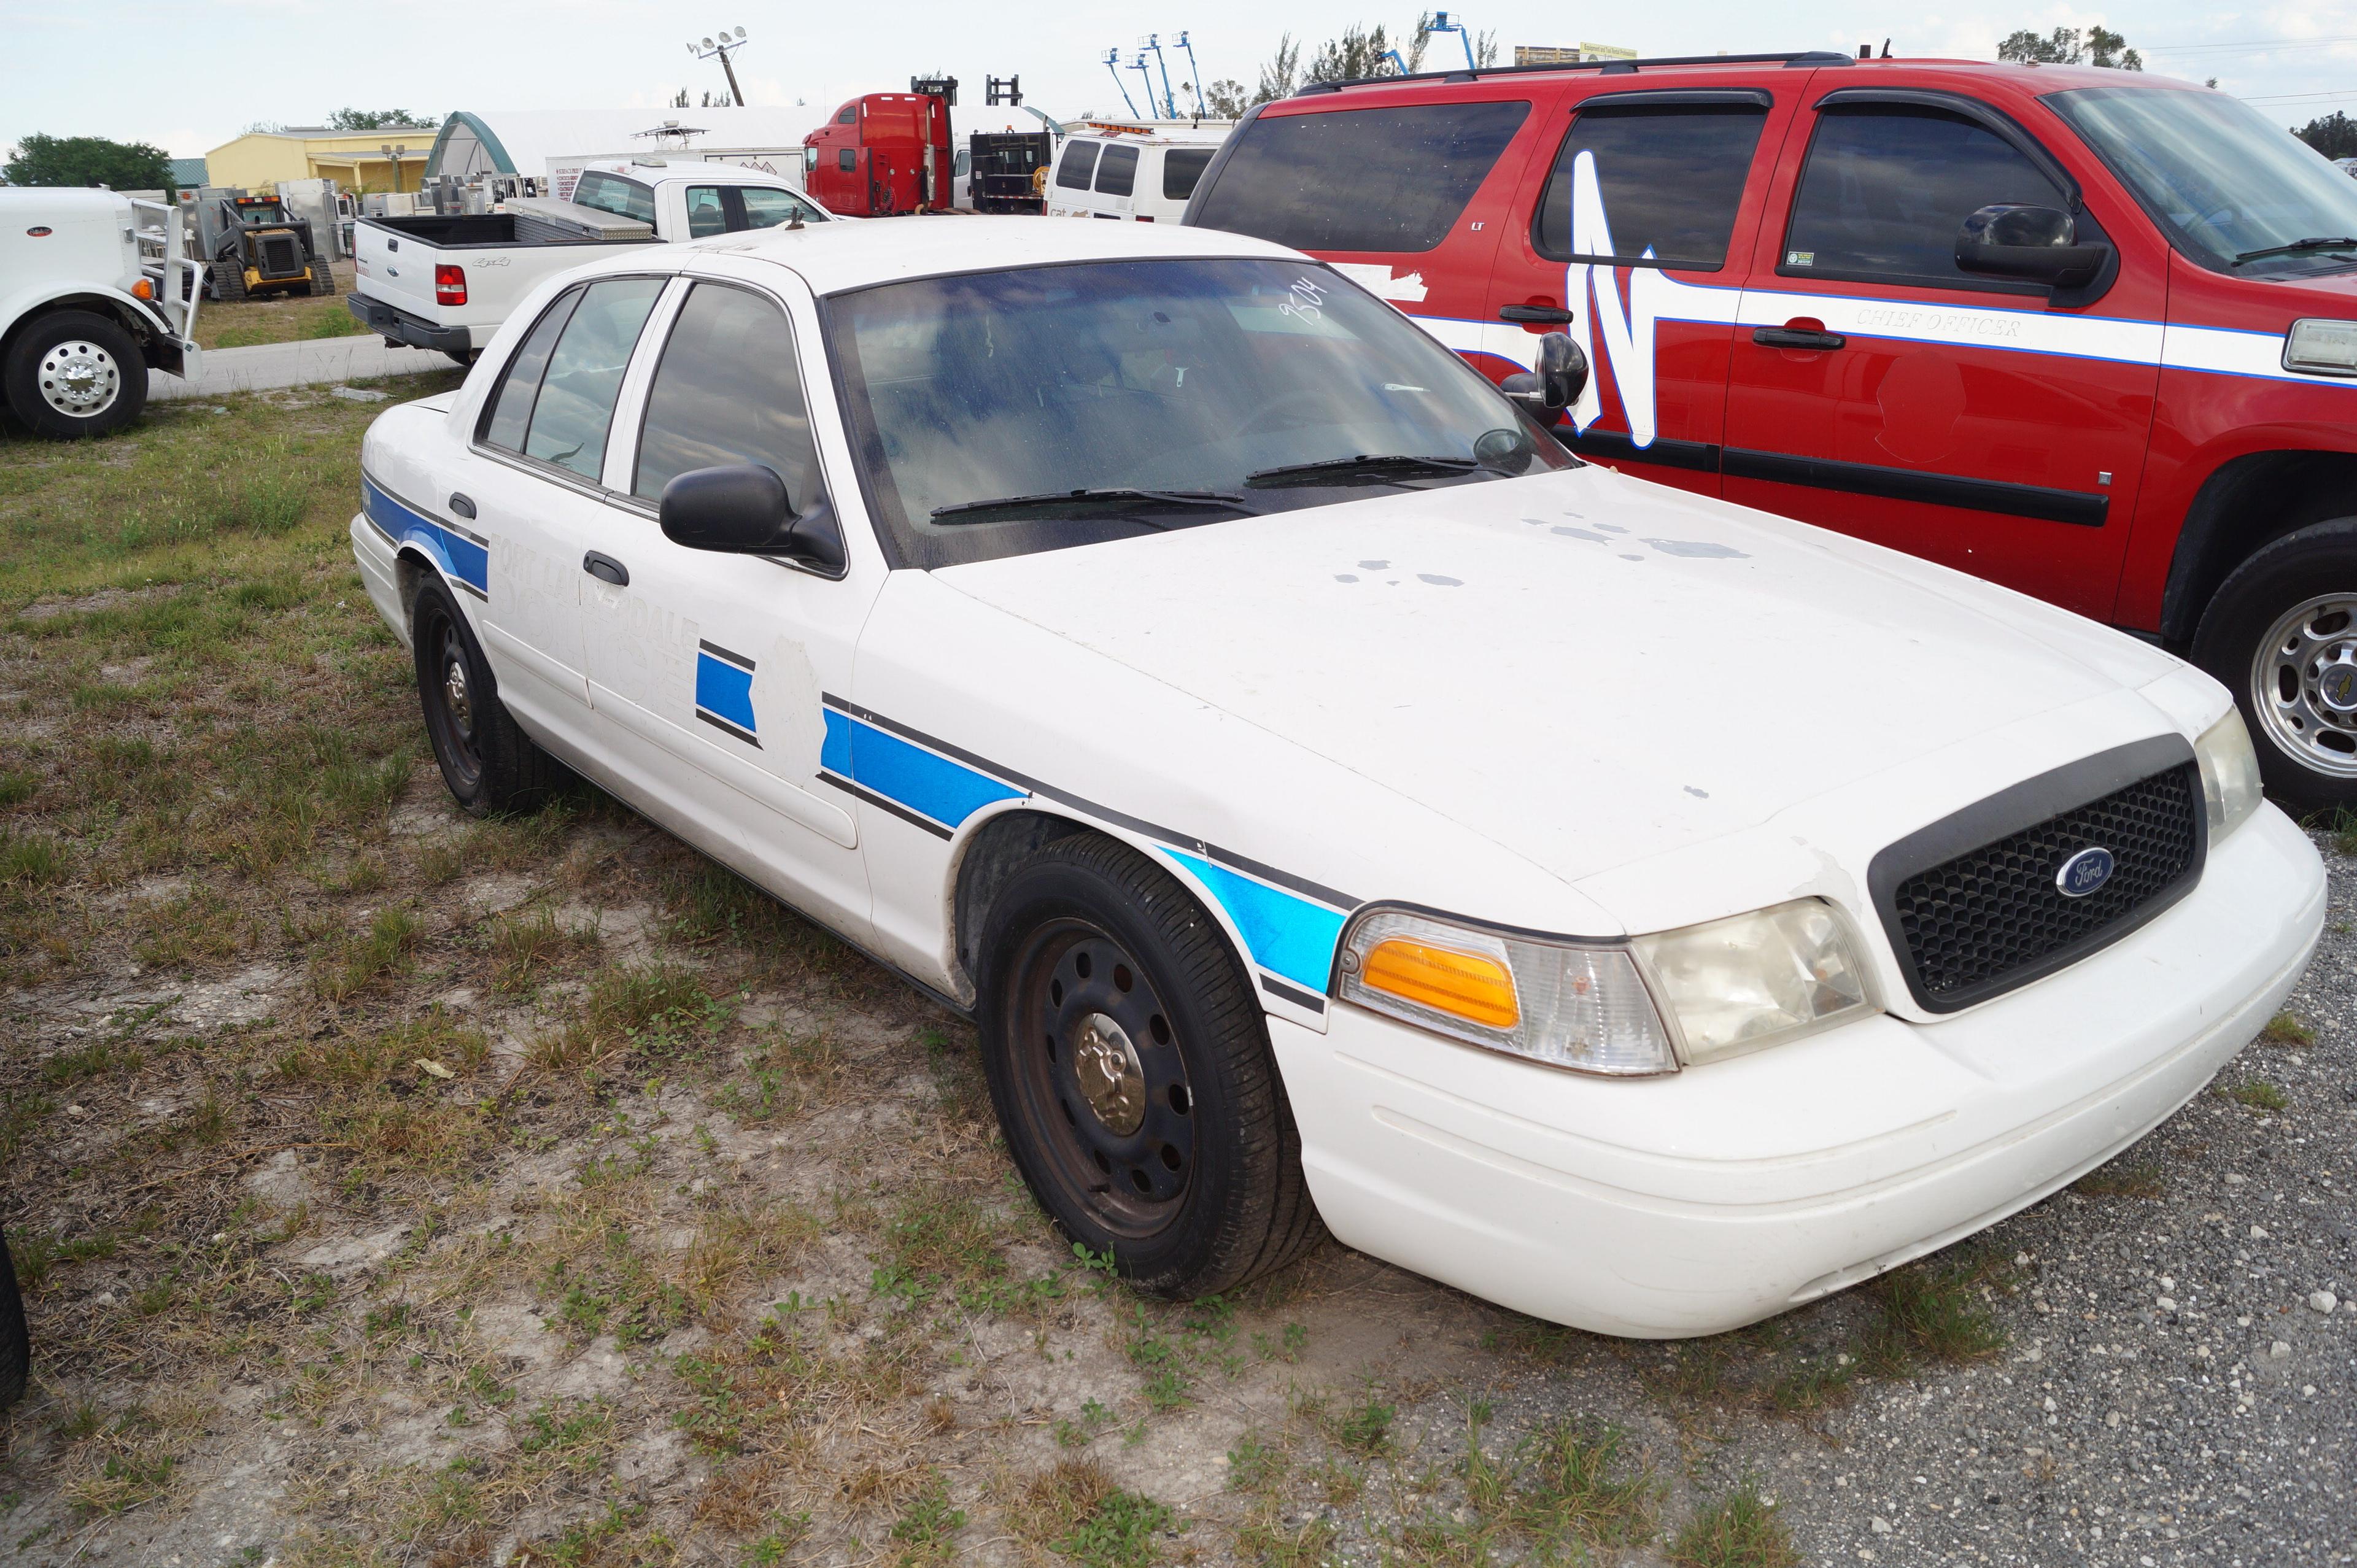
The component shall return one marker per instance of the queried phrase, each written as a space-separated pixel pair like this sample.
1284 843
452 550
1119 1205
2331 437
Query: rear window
1117 171
611 193
1360 179
1670 180
1079 162
1182 168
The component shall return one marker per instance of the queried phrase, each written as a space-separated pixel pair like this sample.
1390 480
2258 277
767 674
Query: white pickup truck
446 283
95 289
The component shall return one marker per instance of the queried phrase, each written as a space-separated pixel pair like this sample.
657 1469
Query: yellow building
355 160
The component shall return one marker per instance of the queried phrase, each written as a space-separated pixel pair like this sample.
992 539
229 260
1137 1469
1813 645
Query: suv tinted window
728 390
510 413
1887 187
1360 179
611 193
584 373
1079 162
1117 171
1671 177
1182 168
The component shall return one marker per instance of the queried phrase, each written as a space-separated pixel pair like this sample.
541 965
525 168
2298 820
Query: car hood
1583 668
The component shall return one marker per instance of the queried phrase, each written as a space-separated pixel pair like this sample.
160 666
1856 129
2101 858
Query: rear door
1630 234
1996 426
1116 181
1068 189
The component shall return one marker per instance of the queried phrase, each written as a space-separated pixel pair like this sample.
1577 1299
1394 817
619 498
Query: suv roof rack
1806 57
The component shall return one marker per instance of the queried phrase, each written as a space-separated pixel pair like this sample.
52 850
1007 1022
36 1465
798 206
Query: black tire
464 358
2305 740
15 1343
75 341
489 764
1203 1189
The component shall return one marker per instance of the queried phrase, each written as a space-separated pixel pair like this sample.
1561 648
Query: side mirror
2036 243
743 509
1557 379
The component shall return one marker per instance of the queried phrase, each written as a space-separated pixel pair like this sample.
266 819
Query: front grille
1979 923
280 256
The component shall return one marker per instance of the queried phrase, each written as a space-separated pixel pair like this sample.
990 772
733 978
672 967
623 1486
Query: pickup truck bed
500 257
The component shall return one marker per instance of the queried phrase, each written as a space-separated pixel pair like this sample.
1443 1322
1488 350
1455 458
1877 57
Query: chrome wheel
79 378
2304 684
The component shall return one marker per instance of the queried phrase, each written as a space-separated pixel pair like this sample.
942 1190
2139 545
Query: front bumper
1695 1203
399 327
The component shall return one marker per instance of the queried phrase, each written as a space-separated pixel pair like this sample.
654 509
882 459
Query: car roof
701 173
833 257
1617 76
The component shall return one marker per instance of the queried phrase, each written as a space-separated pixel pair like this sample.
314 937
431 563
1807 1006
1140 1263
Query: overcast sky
188 77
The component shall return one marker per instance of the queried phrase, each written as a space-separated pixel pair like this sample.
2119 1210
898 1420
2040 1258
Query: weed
31 860
1817 1383
1365 1427
1578 1488
927 1529
1265 1537
2258 1095
385 950
525 948
1740 1530
1076 1510
2285 1029
2139 1180
1930 1310
1255 1463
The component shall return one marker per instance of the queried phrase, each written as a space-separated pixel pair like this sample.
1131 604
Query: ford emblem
2083 873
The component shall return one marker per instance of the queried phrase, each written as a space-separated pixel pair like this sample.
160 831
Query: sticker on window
1800 258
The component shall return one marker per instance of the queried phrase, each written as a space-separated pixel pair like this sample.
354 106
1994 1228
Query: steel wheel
1101 1078
450 706
79 378
2304 683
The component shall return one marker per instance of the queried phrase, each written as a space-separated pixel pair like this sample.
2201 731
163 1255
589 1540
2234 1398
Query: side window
1361 179
1670 179
584 373
1182 167
729 390
850 113
1079 162
612 193
848 161
1887 187
1117 171
766 208
705 213
510 408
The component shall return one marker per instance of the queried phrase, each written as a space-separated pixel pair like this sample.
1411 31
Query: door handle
1797 337
1552 315
606 569
463 506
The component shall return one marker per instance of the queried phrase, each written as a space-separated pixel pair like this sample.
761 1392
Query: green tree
2334 135
1226 99
89 160
2066 46
381 120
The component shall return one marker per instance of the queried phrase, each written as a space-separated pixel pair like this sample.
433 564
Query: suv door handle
606 569
463 506
1797 337
1553 315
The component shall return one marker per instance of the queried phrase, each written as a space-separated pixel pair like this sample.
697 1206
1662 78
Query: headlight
2230 774
1727 987
1584 1008
1753 980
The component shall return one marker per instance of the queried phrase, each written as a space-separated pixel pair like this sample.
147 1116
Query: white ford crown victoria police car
1331 799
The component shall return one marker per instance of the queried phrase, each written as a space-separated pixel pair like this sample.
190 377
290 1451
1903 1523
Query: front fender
36 299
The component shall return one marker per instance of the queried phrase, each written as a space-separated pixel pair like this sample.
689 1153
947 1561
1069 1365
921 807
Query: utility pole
710 48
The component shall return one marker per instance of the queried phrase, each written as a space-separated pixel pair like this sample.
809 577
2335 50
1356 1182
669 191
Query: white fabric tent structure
534 141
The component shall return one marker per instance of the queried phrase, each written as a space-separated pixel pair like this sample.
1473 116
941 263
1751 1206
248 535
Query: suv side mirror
1556 380
2038 244
743 509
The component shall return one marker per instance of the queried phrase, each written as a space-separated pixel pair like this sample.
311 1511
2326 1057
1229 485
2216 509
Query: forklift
253 248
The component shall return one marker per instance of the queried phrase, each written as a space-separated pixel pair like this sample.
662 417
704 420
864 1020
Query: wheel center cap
453 683
1111 1080
2336 684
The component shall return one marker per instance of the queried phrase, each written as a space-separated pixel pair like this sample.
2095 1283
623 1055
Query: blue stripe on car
724 691
464 558
1289 937
926 783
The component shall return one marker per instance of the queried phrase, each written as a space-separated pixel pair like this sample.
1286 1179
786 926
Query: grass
2285 1029
1077 1510
278 318
1738 1529
2135 1179
2257 1094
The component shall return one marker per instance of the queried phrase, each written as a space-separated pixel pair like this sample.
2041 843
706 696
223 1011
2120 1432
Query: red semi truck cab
2087 333
883 153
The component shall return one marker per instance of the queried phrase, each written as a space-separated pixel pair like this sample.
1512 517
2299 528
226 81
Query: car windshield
2227 181
1172 392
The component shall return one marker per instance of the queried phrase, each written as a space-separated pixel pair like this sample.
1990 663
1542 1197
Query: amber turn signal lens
1461 984
142 289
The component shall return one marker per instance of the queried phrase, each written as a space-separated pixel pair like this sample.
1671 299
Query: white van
1143 169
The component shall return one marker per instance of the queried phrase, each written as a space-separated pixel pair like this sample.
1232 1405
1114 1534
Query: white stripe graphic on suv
1622 338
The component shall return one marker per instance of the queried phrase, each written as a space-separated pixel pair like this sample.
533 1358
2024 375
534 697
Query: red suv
2088 334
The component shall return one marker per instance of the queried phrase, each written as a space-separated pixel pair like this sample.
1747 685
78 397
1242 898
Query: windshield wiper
1367 468
2320 242
1110 501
